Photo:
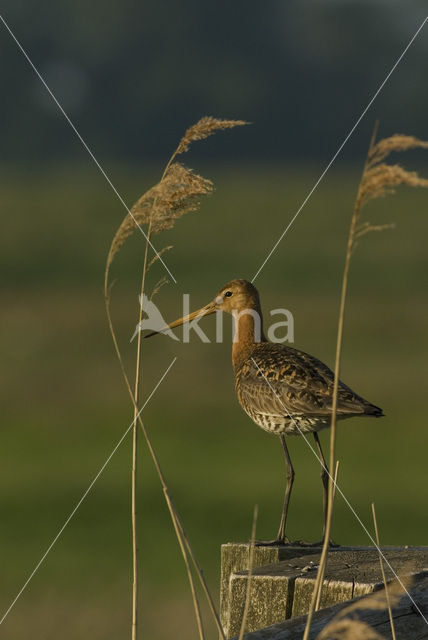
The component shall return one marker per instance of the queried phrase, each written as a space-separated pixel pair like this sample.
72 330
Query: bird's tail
373 410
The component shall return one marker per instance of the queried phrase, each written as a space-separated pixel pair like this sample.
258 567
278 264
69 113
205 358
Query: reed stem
317 592
135 452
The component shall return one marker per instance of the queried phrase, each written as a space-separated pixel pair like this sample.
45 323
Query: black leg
324 478
289 472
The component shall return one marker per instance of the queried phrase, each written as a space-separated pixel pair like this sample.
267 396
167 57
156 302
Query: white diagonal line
340 148
83 496
340 491
42 80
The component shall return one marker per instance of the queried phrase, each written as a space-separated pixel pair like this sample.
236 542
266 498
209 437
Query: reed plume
178 192
203 128
397 142
378 179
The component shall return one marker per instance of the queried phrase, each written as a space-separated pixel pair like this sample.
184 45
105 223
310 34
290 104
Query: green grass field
64 404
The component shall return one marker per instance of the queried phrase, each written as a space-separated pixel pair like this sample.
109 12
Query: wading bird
285 391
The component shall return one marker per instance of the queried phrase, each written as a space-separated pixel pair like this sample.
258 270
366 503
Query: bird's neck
248 332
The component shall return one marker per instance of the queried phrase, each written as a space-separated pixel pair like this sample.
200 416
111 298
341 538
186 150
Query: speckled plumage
285 390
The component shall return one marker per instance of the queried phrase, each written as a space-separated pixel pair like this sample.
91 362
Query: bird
285 391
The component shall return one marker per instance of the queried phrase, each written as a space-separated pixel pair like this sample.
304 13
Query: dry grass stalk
136 399
388 601
177 193
377 179
203 128
202 580
318 591
250 573
182 538
367 227
157 256
158 286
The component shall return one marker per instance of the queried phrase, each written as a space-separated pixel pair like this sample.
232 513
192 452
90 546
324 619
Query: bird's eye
227 294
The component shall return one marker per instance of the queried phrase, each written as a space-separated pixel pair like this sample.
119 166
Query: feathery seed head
397 142
383 178
176 194
203 128
380 178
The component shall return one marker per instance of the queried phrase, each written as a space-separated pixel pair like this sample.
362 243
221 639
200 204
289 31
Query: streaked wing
278 380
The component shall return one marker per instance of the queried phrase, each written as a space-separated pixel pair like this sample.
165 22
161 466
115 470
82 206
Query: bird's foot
331 544
284 542
278 542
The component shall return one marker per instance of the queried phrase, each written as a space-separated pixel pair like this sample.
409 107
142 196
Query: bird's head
237 295
234 296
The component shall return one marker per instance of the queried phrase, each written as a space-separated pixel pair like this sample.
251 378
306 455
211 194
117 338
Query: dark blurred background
132 76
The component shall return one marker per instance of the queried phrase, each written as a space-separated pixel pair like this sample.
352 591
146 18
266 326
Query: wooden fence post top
283 579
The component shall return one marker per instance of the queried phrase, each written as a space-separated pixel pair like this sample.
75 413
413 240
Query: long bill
200 313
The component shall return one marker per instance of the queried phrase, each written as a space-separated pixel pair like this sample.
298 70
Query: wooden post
370 613
284 576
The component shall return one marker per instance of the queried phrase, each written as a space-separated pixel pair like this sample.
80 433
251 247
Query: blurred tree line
132 74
